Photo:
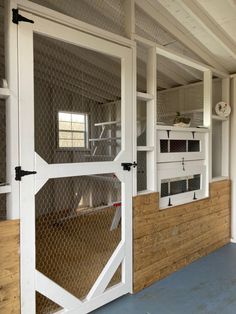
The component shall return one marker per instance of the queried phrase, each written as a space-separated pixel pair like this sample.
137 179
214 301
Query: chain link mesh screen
75 80
184 97
106 14
148 28
45 305
216 130
78 227
141 171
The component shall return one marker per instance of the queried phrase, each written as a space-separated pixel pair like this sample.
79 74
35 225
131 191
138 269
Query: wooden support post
12 111
207 118
225 130
151 119
129 18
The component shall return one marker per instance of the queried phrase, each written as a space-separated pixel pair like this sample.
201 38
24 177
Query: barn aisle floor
206 286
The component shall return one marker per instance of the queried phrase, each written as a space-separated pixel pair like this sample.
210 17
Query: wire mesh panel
106 14
181 103
78 227
217 128
45 305
77 103
2 206
149 28
141 171
141 123
216 148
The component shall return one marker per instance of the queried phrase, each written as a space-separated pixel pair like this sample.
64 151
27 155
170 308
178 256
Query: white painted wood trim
4 189
225 130
168 53
233 158
27 203
66 20
55 30
145 148
198 12
207 119
218 118
155 10
178 129
151 118
129 18
4 93
54 292
107 273
12 111
134 121
217 179
144 96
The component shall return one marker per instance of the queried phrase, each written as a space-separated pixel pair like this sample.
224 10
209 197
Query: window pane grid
72 130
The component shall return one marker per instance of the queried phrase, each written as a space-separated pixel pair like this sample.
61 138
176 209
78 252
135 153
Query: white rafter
170 23
213 28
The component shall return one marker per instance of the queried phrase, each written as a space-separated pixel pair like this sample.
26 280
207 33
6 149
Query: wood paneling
9 267
167 240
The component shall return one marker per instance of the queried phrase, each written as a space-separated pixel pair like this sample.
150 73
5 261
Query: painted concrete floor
207 286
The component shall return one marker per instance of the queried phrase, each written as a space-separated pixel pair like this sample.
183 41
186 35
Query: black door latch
127 165
21 173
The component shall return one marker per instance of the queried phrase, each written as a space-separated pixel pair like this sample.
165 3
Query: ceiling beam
213 28
171 25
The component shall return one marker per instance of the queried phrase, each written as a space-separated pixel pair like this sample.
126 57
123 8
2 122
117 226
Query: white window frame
86 132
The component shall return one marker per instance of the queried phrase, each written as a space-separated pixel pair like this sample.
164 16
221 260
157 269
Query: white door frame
31 279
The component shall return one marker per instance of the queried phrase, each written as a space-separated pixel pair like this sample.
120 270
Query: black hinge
127 165
19 173
16 17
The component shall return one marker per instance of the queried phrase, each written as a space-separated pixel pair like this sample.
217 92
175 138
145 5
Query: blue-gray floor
206 286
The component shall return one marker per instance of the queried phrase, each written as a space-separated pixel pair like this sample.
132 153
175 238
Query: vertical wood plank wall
9 267
167 240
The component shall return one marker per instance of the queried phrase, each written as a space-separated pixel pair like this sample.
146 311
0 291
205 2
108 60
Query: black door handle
127 165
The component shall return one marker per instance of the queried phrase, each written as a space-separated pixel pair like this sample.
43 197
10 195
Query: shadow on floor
207 286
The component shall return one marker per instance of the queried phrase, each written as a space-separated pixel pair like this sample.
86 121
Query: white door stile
27 206
30 160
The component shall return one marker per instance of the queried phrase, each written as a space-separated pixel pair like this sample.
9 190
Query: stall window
72 130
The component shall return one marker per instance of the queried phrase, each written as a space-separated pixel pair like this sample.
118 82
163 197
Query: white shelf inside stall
4 93
145 148
4 189
144 96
